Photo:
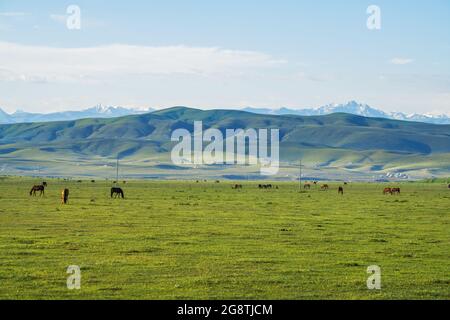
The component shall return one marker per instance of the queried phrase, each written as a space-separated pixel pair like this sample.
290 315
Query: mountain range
100 111
355 108
338 145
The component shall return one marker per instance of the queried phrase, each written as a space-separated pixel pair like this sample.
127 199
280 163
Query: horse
341 190
395 190
307 186
44 184
236 186
117 192
36 188
387 191
324 187
449 186
64 196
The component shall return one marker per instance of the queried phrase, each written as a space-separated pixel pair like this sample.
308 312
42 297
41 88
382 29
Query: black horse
117 192
39 188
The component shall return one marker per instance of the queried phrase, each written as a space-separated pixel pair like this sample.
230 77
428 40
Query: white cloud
401 61
13 14
50 64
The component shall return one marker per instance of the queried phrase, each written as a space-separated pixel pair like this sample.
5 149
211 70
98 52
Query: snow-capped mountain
356 108
4 117
99 111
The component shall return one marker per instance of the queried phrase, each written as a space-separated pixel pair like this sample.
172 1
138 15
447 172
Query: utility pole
117 170
300 176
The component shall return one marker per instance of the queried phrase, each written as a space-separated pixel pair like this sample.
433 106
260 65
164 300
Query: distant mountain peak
355 108
98 111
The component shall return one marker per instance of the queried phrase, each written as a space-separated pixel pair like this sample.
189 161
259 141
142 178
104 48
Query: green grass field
183 240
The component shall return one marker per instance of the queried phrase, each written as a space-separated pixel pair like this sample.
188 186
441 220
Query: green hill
336 142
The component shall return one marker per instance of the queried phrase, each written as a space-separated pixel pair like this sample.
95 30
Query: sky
227 54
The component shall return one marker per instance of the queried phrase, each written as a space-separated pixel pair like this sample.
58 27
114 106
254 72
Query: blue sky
229 54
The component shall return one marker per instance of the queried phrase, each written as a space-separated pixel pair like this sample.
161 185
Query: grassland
183 240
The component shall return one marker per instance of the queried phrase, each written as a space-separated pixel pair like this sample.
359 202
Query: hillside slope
339 140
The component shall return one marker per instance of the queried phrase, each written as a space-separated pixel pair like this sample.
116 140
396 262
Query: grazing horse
324 187
237 186
44 184
39 188
64 196
395 190
387 191
307 186
117 192
341 190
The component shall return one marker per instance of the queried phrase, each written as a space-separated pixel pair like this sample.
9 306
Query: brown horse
395 190
237 186
117 192
324 187
387 191
36 188
307 186
64 196
341 190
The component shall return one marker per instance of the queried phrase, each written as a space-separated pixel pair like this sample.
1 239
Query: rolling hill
330 145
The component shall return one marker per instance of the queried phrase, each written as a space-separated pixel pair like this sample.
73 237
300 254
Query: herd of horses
267 186
116 192
391 191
